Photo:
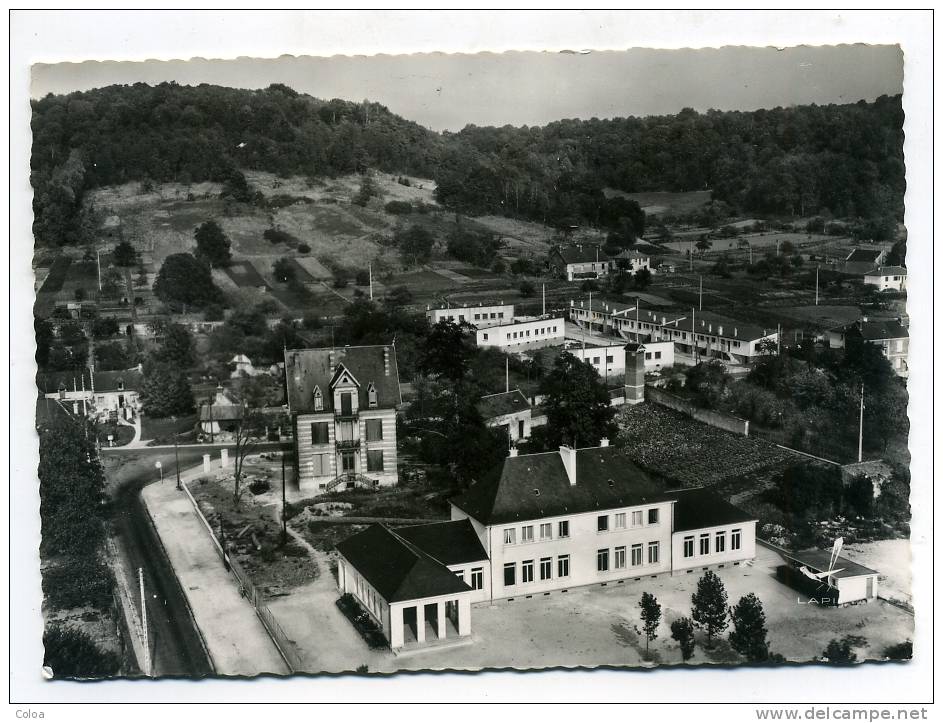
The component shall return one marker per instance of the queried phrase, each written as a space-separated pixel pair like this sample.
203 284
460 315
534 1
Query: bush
399 208
78 581
303 248
901 651
259 486
362 278
214 312
72 653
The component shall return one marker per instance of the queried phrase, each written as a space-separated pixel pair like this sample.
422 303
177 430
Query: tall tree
124 255
176 346
212 244
184 280
651 617
709 605
749 629
165 390
577 404
448 350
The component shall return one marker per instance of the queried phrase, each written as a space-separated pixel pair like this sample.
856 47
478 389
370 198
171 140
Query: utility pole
693 338
700 294
779 334
544 296
816 285
284 520
98 258
370 272
147 647
691 258
176 454
507 375
861 425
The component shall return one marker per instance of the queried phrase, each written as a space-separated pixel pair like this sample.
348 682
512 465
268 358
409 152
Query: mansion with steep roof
342 403
544 524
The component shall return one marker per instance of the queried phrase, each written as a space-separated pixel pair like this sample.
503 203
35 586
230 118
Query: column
224 458
420 623
396 626
206 463
440 610
464 616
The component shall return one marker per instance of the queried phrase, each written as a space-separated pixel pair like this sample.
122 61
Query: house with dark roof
342 402
416 582
890 335
509 411
95 394
862 259
589 261
541 524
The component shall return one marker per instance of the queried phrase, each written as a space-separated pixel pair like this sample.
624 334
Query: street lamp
176 454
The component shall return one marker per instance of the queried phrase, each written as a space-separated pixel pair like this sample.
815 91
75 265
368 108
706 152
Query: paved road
175 641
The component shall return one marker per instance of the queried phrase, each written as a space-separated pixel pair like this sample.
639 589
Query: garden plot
672 444
245 275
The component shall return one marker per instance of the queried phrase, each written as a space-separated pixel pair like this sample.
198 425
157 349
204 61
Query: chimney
568 455
386 361
735 331
710 328
604 442
330 360
720 330
864 318
512 452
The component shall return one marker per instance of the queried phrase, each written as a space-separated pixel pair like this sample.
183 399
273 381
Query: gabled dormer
371 396
345 390
318 399
343 378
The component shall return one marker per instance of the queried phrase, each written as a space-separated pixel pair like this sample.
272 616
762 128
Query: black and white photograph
486 361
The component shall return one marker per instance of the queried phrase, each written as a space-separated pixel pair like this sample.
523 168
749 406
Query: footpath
237 641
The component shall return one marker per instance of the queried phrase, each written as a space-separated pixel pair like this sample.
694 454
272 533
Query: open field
660 203
673 445
765 240
521 236
244 275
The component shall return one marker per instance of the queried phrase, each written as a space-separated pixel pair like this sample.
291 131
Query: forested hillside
841 160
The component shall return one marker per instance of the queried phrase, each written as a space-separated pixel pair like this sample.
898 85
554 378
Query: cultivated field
660 203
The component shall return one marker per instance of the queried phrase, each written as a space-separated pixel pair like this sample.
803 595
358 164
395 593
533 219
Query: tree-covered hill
842 160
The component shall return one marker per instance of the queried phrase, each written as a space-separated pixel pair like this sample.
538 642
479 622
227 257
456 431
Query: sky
448 92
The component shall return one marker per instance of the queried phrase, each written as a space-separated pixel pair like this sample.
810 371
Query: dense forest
839 160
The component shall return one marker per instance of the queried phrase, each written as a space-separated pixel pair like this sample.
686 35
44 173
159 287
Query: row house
95 394
543 524
342 403
701 333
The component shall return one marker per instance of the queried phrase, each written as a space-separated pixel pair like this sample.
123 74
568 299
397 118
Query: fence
286 648
715 419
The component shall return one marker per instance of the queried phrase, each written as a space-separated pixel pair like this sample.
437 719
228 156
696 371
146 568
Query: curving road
175 641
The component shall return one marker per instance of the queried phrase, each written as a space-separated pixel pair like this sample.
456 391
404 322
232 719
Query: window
595 360
609 359
527 533
546 568
658 355
705 545
500 315
620 520
648 356
477 317
374 430
637 518
618 561
510 573
735 539
602 560
374 460
636 555
320 465
485 337
563 566
652 553
527 571
653 516
563 528
720 541
371 395
602 523
510 536
319 433
346 431
477 578
689 546
318 400
546 531
460 574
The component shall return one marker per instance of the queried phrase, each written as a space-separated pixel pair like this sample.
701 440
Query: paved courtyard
596 626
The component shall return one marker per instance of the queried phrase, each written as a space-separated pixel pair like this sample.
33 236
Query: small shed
854 582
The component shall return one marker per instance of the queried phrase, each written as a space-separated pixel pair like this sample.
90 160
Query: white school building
521 334
544 523
478 316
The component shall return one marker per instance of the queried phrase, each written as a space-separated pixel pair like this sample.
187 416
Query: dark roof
451 543
700 508
220 413
876 329
307 368
855 268
744 331
497 405
869 255
49 383
396 568
888 271
818 561
109 381
532 486
581 254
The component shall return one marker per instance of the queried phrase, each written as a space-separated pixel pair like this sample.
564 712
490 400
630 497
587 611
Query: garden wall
707 416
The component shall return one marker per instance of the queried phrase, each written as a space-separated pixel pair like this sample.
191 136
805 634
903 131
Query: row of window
476 577
369 597
526 333
619 519
320 431
704 543
544 569
676 333
609 359
545 529
618 556
320 464
346 398
493 315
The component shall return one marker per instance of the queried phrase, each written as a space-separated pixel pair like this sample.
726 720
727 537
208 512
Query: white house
521 335
544 524
609 360
478 316
509 411
95 394
890 335
886 278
